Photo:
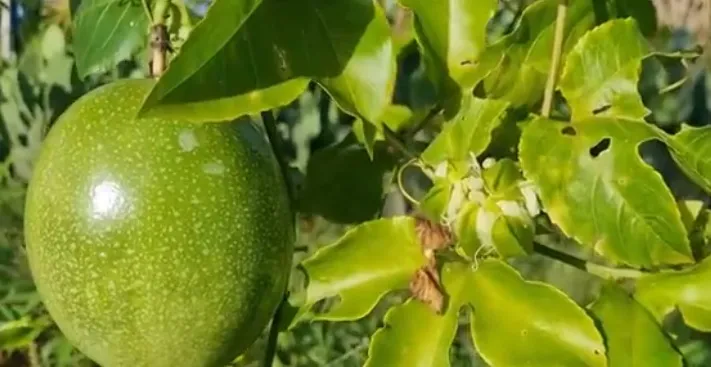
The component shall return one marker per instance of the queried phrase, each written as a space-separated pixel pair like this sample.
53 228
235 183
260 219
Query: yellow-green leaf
523 323
368 261
596 187
688 290
634 338
414 335
452 34
602 71
469 131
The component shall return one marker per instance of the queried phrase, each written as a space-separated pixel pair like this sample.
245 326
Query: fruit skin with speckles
152 242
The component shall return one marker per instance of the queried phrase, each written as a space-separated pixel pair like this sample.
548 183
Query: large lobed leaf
634 338
602 71
595 186
514 323
523 323
688 291
367 262
452 35
106 32
263 55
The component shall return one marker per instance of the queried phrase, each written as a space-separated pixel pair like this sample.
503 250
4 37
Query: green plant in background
496 183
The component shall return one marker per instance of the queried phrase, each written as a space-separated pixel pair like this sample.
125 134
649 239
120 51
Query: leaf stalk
555 58
602 271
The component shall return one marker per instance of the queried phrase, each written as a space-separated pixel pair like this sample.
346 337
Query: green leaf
434 203
366 134
452 35
469 131
367 262
690 148
21 332
107 32
686 290
414 335
595 186
634 339
342 183
524 323
516 67
263 56
602 71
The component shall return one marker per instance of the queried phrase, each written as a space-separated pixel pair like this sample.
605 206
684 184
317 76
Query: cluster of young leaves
586 172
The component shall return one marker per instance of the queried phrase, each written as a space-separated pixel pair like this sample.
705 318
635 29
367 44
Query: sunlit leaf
691 149
634 338
602 71
414 335
452 34
522 323
263 55
106 32
687 290
595 186
469 131
368 261
434 203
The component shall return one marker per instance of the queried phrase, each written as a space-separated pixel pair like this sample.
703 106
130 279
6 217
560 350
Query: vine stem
269 123
395 142
555 58
598 270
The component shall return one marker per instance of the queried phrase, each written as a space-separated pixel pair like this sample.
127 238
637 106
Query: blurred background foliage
39 81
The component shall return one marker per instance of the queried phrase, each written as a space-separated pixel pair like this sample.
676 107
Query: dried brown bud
425 287
433 236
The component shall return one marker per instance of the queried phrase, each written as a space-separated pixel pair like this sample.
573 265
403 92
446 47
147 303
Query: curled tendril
401 187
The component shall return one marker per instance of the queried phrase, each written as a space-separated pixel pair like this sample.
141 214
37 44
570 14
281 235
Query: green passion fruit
156 242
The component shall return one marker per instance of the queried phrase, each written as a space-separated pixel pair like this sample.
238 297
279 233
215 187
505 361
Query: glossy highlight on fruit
156 242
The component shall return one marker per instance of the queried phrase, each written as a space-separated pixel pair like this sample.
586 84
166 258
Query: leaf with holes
595 186
414 335
686 290
264 56
517 322
452 35
522 58
359 267
469 131
602 71
690 148
343 184
634 338
106 32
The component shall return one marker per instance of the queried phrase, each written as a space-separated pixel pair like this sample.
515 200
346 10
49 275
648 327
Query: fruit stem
160 40
555 58
602 271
